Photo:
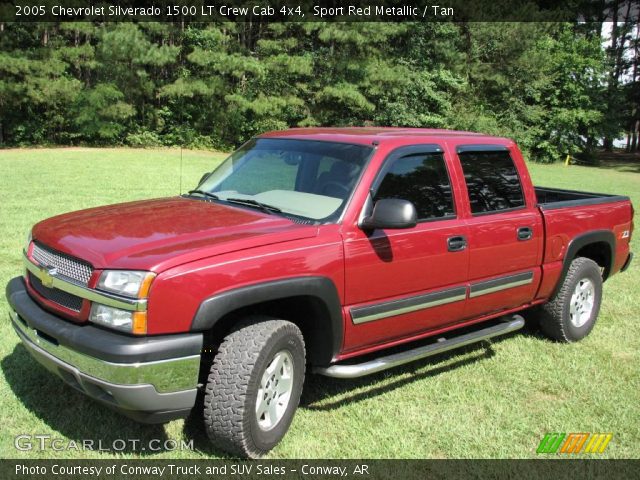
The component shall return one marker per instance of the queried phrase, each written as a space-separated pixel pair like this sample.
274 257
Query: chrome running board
510 324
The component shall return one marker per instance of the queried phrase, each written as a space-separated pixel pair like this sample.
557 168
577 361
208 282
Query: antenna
180 170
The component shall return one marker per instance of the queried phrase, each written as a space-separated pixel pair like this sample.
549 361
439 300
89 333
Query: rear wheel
573 311
254 386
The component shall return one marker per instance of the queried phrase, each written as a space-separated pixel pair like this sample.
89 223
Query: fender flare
580 241
214 308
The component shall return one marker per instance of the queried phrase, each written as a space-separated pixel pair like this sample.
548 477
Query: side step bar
510 324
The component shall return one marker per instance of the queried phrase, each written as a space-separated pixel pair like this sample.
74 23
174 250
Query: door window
422 179
492 181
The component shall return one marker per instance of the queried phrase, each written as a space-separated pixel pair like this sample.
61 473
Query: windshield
311 179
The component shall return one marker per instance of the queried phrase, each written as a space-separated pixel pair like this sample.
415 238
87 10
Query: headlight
125 320
130 283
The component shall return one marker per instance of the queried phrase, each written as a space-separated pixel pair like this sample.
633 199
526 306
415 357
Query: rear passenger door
403 282
504 232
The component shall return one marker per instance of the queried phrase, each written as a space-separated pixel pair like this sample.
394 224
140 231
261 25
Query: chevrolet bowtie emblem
46 276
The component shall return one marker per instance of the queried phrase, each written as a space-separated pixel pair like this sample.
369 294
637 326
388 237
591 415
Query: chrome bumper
148 391
165 375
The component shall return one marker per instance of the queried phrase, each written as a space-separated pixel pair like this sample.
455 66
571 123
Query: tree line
556 88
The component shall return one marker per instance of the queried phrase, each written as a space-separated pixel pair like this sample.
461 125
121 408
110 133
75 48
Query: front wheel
254 386
573 311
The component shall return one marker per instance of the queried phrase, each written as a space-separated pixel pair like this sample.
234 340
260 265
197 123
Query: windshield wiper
265 207
205 194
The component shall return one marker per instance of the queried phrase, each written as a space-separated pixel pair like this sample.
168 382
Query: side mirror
391 213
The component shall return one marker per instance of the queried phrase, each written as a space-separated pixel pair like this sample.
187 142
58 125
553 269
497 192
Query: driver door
401 283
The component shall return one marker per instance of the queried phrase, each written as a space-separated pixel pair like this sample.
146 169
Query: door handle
457 243
525 233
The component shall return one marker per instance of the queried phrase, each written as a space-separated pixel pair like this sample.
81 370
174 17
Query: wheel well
599 252
309 313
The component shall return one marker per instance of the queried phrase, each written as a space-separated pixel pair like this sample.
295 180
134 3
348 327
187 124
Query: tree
550 86
101 113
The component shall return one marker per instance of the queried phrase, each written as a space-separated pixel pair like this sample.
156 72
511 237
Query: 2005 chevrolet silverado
309 248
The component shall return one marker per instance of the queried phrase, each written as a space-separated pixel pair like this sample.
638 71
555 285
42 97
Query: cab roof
379 135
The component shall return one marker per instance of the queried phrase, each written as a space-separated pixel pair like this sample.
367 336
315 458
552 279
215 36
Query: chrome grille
67 266
55 295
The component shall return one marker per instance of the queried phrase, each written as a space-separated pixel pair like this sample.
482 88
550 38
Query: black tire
555 316
230 399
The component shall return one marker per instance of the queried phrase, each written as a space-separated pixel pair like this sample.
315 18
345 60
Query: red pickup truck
309 249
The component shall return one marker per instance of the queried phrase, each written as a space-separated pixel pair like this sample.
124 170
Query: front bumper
149 379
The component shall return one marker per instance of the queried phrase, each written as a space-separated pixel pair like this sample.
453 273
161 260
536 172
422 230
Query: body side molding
379 311
322 289
500 283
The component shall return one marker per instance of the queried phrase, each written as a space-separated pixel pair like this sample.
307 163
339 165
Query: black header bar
258 11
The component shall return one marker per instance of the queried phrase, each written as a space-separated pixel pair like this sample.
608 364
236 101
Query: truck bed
552 198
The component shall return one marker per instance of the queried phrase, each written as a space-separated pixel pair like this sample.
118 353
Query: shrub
144 139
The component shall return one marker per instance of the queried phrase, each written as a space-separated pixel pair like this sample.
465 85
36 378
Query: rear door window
492 181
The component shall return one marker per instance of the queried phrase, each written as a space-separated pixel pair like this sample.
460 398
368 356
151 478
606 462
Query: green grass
495 400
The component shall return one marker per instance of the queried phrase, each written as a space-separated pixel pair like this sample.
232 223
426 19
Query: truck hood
159 234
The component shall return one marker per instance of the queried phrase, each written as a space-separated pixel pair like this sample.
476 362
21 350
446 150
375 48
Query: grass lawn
497 399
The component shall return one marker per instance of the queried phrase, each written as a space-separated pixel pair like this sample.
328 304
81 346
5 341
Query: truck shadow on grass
322 393
319 392
68 413
325 394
